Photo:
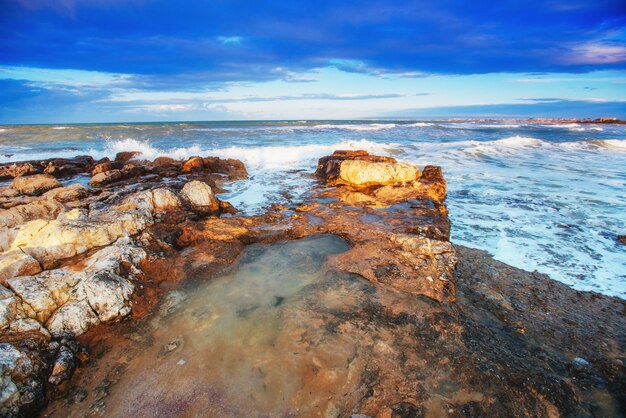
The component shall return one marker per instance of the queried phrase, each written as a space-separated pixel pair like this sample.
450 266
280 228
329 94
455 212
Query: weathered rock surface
20 389
86 232
58 167
502 342
67 194
128 171
358 168
17 263
35 185
200 197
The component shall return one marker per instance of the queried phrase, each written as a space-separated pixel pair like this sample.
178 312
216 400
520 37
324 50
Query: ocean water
543 197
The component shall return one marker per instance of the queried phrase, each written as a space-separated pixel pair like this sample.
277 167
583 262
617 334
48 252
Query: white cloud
595 53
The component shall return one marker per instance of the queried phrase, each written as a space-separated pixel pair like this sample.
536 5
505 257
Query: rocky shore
92 250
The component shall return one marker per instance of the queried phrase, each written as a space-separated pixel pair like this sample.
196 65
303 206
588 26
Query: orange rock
193 164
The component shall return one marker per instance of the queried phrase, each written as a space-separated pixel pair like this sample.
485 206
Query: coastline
496 334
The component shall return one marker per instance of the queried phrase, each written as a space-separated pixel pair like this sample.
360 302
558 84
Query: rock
21 383
580 363
64 366
366 173
46 292
358 168
12 170
432 183
67 194
10 306
106 166
12 361
72 319
200 198
41 209
108 295
234 169
22 325
126 156
73 215
51 241
127 172
35 185
57 167
17 263
193 164
70 302
61 167
165 167
165 199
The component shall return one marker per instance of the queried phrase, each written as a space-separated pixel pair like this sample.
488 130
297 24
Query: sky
64 61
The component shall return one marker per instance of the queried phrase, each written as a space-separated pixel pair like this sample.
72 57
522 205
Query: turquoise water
541 197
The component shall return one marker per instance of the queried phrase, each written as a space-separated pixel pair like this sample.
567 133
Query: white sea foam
260 157
357 127
61 128
421 124
148 151
561 125
587 129
614 144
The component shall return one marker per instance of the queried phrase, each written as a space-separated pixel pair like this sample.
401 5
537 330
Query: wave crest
265 157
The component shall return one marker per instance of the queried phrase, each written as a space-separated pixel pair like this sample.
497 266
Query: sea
539 196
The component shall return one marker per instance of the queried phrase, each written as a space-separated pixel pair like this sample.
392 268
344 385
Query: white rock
200 197
108 295
165 199
72 319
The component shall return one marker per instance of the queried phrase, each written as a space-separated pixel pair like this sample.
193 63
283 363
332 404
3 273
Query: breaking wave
357 127
614 144
260 157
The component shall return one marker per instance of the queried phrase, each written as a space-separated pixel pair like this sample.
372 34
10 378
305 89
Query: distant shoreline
545 121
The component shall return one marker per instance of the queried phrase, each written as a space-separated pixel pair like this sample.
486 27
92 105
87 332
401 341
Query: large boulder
165 199
200 198
358 168
35 185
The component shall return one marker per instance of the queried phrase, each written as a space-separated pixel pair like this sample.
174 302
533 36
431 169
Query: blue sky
151 60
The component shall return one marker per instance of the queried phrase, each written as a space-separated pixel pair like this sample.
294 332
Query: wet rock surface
371 310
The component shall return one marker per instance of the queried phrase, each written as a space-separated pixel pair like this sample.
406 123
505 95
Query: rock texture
358 168
70 257
57 167
200 197
35 185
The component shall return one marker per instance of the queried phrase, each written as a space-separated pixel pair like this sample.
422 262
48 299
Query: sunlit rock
200 197
17 263
35 185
